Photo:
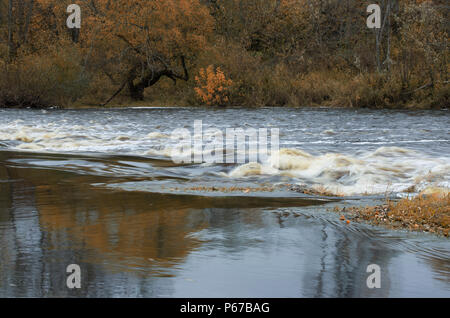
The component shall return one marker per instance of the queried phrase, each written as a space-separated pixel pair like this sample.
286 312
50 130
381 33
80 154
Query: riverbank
424 213
313 89
257 88
282 53
129 103
150 104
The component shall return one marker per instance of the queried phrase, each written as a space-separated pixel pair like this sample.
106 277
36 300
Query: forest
224 53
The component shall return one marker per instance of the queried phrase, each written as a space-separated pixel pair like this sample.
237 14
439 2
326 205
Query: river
98 188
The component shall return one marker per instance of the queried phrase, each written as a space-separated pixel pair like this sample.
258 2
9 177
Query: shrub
213 87
42 81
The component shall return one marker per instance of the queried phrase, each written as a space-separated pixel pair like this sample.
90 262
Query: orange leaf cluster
213 87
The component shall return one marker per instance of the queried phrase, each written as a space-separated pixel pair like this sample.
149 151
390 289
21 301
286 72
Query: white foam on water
387 169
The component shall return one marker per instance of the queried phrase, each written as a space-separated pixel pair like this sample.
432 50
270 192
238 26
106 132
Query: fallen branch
424 86
115 94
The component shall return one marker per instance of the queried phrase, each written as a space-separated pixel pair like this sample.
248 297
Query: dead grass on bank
424 213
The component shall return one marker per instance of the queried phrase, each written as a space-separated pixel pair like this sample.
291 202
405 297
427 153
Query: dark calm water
97 188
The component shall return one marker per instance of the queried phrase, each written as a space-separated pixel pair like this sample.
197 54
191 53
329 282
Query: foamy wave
157 135
387 169
66 137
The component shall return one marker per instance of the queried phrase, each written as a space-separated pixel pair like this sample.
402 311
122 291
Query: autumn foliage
277 53
212 87
424 213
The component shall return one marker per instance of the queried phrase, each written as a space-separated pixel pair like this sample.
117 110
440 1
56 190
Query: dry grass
425 213
56 79
244 190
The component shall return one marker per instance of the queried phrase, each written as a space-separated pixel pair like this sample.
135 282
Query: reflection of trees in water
336 265
74 223
333 257
320 278
123 231
235 230
20 237
441 266
52 218
122 225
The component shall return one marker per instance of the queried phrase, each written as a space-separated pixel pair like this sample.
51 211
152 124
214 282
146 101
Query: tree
144 39
18 21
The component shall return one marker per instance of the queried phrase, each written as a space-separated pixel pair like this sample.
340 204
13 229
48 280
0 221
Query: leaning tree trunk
151 77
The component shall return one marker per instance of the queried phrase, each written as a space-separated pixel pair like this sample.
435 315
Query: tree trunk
10 30
26 27
150 78
388 49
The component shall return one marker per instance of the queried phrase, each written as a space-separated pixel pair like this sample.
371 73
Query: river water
98 188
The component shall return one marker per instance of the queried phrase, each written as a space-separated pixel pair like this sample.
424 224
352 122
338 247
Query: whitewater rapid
347 159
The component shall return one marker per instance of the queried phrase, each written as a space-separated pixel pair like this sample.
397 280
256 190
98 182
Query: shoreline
424 213
173 104
162 106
